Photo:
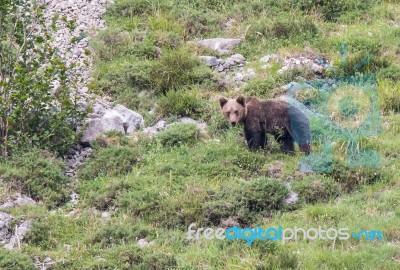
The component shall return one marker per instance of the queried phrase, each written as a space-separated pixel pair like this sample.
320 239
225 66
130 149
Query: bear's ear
222 101
241 100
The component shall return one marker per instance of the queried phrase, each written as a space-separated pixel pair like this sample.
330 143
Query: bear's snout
233 124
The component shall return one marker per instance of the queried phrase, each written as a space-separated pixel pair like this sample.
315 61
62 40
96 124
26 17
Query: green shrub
32 112
181 103
104 193
216 210
40 235
246 202
111 161
262 194
14 260
351 178
390 73
389 95
178 69
39 177
315 188
179 134
332 9
217 123
128 8
118 234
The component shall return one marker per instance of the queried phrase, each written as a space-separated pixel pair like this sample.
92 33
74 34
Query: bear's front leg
255 139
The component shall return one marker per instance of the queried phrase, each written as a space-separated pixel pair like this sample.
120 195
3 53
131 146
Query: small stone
209 60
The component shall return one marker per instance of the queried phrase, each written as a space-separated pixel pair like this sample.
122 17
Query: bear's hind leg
305 148
286 142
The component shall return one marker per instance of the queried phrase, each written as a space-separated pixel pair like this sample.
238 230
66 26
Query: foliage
181 103
12 260
31 113
110 161
179 134
389 95
316 188
40 177
331 10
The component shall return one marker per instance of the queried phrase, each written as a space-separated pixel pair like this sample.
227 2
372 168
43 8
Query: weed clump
315 188
37 176
111 161
179 134
181 103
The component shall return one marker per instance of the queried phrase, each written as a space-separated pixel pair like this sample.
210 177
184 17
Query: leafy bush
316 189
39 177
351 178
246 202
179 134
181 103
178 69
112 161
31 114
14 260
262 194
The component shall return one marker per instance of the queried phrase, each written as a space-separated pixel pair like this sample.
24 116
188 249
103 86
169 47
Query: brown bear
287 123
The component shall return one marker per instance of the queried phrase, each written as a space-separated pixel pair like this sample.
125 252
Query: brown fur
287 123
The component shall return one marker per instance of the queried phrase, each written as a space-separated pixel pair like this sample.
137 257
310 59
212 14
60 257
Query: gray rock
159 126
295 86
269 57
17 200
143 243
248 74
238 77
5 233
111 121
283 69
292 198
238 58
209 60
221 45
19 233
132 120
316 68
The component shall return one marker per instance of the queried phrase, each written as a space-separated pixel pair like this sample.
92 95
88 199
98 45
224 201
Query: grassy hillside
153 189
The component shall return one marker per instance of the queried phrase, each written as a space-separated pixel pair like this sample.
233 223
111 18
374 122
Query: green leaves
29 113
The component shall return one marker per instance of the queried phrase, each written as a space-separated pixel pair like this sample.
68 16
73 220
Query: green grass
155 188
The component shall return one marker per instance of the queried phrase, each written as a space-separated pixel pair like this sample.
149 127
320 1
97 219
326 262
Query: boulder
117 119
132 120
19 233
153 130
238 58
5 233
111 121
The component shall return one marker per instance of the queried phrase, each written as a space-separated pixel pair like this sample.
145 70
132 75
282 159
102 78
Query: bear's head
234 109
